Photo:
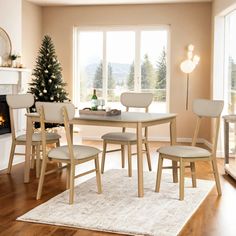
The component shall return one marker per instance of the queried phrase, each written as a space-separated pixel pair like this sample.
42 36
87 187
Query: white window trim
104 29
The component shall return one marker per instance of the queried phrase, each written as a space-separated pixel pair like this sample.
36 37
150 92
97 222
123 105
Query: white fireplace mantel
18 78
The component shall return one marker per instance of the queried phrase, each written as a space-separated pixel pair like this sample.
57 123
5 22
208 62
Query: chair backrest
56 113
208 108
136 100
19 101
53 111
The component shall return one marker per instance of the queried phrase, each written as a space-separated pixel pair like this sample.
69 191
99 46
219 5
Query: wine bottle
94 101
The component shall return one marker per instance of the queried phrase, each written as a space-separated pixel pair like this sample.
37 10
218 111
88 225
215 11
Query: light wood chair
70 154
129 100
191 154
25 101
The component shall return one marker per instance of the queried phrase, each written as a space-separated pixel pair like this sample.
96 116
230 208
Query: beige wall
10 21
222 5
189 23
31 32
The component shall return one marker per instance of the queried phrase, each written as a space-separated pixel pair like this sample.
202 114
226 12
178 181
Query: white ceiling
103 2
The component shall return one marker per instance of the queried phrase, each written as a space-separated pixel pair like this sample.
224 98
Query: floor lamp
188 66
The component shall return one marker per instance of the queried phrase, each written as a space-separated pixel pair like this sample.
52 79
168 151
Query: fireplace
5 126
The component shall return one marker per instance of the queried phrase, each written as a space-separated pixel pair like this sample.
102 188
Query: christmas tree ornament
44 91
50 81
46 71
40 94
51 98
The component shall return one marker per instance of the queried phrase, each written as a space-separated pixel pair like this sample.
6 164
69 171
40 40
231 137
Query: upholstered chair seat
119 136
80 152
36 137
184 151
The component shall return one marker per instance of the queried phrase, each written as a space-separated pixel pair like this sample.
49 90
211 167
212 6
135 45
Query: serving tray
112 112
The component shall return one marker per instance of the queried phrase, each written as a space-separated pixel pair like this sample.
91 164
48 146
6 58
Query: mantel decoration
47 84
5 47
188 66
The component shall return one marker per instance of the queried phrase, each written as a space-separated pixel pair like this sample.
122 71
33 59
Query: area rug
118 209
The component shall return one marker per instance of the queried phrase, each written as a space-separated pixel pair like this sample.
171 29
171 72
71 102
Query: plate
5 45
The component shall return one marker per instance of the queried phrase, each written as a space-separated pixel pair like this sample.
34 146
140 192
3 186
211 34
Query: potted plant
13 58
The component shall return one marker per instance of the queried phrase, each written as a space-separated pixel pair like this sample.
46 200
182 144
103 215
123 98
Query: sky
120 46
232 47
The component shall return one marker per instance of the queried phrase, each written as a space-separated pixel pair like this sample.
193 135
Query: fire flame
2 121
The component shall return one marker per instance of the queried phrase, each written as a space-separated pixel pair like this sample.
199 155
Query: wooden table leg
140 160
29 133
173 142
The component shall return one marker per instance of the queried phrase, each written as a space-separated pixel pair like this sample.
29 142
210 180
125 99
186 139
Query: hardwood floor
215 217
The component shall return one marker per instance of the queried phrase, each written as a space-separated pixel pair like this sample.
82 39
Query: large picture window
230 62
116 60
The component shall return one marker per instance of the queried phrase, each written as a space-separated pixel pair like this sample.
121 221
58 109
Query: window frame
137 59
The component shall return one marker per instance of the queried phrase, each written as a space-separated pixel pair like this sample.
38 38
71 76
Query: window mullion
137 62
104 67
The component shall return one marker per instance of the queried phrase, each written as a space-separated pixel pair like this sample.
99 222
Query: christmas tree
47 84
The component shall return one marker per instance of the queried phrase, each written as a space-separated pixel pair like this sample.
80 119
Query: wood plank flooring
215 217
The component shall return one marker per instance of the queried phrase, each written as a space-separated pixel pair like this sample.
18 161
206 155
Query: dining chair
191 154
129 100
25 101
70 155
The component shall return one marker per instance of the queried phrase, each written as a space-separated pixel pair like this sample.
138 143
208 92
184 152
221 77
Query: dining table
135 120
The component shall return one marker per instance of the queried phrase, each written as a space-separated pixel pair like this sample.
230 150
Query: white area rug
119 209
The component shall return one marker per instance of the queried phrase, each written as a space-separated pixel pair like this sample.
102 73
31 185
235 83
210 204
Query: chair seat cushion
37 137
80 152
184 151
119 136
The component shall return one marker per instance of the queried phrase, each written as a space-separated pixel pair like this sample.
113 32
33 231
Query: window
230 62
116 60
230 74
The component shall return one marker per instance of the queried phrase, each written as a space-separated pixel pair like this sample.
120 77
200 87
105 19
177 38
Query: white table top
124 117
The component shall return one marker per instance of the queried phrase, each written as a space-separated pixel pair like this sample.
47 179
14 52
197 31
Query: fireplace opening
5 125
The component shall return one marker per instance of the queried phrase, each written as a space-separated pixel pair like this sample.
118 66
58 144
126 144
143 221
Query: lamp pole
187 91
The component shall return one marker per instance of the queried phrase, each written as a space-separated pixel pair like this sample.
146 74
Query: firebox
5 125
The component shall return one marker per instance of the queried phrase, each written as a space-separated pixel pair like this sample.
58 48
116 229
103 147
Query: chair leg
103 155
38 160
159 172
175 171
193 174
98 175
32 158
72 183
216 175
68 176
13 147
129 161
41 178
148 156
123 156
58 145
181 180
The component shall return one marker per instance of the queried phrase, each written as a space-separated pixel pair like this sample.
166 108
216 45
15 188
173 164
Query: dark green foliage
161 71
130 79
47 84
97 83
147 74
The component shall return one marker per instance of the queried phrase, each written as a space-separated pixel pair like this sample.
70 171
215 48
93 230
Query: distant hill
119 71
